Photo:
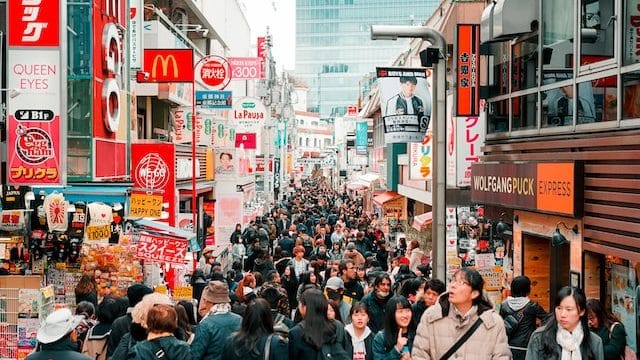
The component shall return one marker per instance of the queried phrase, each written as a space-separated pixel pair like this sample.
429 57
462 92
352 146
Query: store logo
164 61
33 145
152 172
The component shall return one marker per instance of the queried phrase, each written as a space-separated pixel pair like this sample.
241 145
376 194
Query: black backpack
335 350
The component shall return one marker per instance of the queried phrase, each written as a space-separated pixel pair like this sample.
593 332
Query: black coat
279 350
119 328
173 349
300 349
526 326
63 349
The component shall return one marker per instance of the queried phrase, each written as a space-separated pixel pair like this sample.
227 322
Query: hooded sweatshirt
517 303
359 343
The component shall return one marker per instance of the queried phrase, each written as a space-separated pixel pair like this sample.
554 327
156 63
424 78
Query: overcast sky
280 17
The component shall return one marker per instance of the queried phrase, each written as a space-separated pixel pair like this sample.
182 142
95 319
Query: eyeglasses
459 282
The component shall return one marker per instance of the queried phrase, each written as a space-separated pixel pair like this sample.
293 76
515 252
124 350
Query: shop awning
422 220
357 184
106 193
385 196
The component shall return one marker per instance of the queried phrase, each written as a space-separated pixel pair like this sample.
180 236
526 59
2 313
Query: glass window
498 115
597 100
557 40
79 107
79 39
557 107
524 112
498 69
78 158
631 95
631 34
525 64
597 23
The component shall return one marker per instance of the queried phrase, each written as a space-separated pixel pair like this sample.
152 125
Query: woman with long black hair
566 334
316 333
604 324
395 340
250 342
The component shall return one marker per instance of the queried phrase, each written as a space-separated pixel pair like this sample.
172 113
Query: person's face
593 320
403 317
351 271
331 314
359 319
225 160
287 271
312 278
460 292
384 287
430 297
276 278
334 271
568 314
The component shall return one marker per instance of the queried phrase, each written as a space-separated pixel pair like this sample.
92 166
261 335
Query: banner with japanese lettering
469 139
153 168
34 71
467 62
161 249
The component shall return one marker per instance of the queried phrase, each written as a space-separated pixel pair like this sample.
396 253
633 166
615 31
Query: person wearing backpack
316 337
96 341
520 315
162 323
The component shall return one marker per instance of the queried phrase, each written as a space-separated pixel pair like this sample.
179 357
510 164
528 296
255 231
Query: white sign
184 168
135 33
469 138
34 74
224 136
181 125
248 114
452 127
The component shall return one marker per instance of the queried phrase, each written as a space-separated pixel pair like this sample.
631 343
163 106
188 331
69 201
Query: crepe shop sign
161 249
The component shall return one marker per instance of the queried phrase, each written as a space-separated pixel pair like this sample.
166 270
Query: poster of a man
406 102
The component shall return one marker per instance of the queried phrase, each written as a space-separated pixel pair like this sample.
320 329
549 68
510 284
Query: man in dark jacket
57 338
122 325
377 300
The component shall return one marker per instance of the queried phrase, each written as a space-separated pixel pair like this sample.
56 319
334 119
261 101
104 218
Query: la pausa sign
248 113
544 187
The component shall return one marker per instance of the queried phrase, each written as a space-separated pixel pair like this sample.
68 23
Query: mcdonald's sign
167 65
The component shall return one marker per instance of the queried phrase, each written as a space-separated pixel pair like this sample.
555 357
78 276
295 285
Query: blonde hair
141 310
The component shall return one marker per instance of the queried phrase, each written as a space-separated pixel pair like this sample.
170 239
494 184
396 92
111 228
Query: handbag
628 353
267 347
462 340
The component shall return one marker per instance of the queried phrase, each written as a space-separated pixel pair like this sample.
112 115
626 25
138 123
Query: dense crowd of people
316 278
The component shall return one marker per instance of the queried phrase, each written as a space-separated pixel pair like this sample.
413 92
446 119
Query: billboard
361 137
405 103
153 169
467 69
167 65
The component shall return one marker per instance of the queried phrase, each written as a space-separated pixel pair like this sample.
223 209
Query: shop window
79 112
614 281
524 110
498 69
597 30
557 40
631 95
631 37
498 115
524 70
597 100
557 107
78 158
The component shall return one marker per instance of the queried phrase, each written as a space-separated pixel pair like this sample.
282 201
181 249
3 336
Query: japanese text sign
245 68
467 66
214 99
182 293
161 249
34 23
145 205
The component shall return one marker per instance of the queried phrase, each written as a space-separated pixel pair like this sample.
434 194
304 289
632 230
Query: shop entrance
546 266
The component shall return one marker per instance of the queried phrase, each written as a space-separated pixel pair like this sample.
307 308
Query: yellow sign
164 61
144 205
98 232
182 293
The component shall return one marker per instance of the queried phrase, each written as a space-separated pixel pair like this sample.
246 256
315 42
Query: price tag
47 292
98 232
143 205
182 293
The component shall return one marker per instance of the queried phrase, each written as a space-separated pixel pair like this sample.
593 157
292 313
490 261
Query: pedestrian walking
360 334
608 328
162 323
57 338
395 341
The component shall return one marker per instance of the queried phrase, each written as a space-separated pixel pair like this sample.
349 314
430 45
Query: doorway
548 267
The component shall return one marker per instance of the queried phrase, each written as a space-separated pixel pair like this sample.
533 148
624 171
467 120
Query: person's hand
401 342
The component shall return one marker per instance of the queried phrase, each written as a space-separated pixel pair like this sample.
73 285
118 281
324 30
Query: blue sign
214 99
361 137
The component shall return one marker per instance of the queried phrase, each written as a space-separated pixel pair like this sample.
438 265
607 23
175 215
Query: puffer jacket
531 311
439 329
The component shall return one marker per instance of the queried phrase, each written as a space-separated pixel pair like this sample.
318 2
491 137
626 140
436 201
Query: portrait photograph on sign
405 103
226 162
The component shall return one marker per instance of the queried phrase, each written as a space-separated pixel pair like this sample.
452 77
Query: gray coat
534 350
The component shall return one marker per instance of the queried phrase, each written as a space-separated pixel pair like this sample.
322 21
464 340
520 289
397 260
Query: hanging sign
145 205
161 249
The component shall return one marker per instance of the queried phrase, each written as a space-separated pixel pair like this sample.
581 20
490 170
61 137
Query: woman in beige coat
455 312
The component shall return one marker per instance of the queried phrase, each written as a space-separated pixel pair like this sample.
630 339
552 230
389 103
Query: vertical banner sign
452 128
467 65
228 211
470 138
34 72
632 33
262 53
135 34
361 137
276 173
405 103
153 169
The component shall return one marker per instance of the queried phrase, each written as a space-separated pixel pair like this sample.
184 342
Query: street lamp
436 38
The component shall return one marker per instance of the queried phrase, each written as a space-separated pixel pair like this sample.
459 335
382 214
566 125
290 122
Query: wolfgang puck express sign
545 187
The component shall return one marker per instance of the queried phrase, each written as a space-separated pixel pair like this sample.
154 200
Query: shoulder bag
267 347
462 340
628 353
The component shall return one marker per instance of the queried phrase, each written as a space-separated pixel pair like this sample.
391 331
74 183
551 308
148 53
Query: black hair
390 328
316 327
271 275
411 286
85 308
411 79
381 276
336 311
520 286
256 322
357 307
191 311
605 318
226 153
108 310
436 285
548 337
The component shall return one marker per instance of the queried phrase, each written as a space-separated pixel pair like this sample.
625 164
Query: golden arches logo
164 61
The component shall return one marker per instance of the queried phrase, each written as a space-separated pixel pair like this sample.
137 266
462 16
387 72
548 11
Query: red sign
259 163
167 65
262 51
35 151
161 249
352 111
246 140
467 75
34 23
153 168
214 71
246 68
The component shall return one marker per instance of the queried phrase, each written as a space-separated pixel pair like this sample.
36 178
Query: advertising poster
469 135
405 103
623 300
228 213
224 136
226 163
153 168
361 137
